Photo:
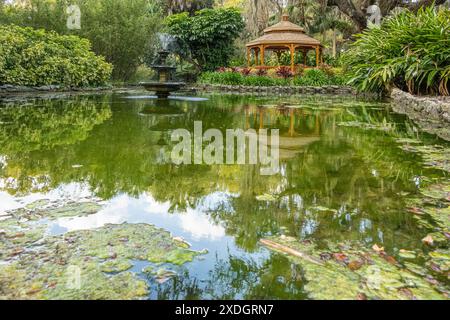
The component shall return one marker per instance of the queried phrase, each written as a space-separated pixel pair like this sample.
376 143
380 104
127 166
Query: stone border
432 114
329 89
9 88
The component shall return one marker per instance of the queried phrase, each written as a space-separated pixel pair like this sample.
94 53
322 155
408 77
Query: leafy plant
206 38
284 72
261 72
227 77
312 77
246 71
262 81
409 50
124 32
35 57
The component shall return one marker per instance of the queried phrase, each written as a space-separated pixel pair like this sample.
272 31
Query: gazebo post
256 56
262 55
291 48
248 57
317 56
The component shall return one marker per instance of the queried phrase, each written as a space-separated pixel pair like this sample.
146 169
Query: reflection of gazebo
280 37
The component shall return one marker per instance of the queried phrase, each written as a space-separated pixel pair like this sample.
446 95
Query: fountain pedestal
164 86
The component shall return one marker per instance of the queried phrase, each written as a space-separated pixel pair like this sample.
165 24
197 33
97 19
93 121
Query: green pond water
85 181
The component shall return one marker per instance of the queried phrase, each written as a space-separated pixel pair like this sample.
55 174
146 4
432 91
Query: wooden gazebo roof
284 32
284 35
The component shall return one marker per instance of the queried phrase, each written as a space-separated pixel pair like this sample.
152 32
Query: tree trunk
358 16
334 43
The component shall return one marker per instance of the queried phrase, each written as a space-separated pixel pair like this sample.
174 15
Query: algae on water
357 272
87 264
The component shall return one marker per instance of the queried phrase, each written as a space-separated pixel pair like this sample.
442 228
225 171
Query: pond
359 188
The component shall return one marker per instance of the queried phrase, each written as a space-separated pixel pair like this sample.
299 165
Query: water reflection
110 147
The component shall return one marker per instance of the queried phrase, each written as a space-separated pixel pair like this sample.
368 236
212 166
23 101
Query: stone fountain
164 84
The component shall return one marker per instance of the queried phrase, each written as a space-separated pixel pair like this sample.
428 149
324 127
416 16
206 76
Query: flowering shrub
261 72
246 71
32 57
284 72
276 77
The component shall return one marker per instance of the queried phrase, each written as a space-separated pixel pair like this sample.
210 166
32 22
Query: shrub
35 57
227 77
312 77
124 32
262 81
261 72
246 71
409 50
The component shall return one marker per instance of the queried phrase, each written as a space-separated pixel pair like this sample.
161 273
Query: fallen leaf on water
16 252
355 265
435 267
390 259
325 256
17 235
407 292
376 248
428 240
361 296
340 256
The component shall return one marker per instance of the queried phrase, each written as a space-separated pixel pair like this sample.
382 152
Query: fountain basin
162 89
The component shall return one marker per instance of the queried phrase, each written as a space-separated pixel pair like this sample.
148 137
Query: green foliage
228 78
263 81
409 50
34 57
311 77
206 38
124 32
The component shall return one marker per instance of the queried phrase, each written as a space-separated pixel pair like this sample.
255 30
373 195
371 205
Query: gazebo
283 36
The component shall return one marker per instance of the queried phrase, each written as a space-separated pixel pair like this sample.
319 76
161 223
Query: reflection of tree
271 277
357 172
48 123
30 134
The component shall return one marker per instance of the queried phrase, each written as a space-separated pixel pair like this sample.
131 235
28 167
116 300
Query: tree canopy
206 38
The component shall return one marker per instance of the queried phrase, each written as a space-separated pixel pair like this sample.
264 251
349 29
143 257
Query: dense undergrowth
409 50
